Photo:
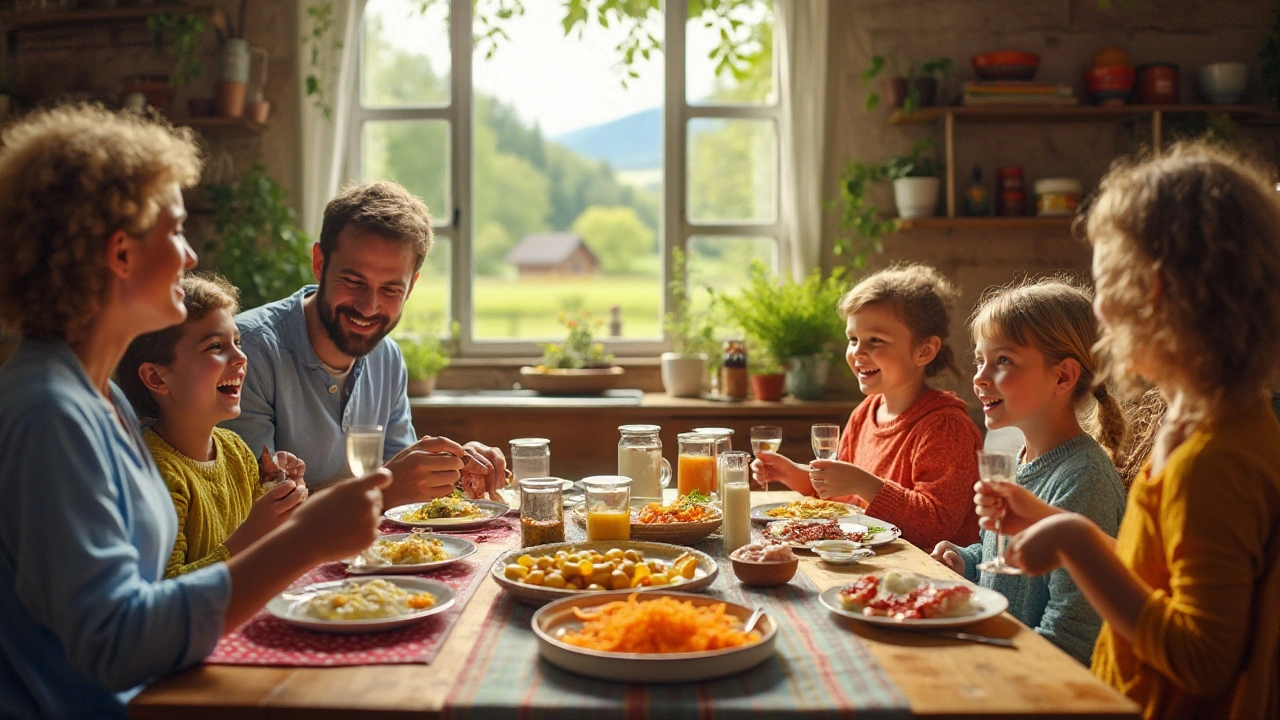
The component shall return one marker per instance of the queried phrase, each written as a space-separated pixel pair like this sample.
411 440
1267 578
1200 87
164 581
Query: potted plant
185 31
918 88
767 377
795 322
692 335
577 365
425 352
915 181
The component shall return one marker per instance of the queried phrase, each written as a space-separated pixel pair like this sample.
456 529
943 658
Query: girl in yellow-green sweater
1186 260
188 379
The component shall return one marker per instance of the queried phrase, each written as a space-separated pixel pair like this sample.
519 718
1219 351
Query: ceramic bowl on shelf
1223 83
1110 85
1006 65
570 382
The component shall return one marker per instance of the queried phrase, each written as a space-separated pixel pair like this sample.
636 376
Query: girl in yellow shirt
1187 266
188 377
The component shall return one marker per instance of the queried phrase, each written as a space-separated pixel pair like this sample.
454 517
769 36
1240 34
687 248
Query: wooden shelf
67 19
1073 113
240 125
987 223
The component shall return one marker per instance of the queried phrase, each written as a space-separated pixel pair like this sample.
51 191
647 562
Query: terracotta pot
231 98
768 387
259 111
895 91
421 387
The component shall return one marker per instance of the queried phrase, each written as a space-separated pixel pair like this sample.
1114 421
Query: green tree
617 236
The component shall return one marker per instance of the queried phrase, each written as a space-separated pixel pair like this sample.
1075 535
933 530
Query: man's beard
349 344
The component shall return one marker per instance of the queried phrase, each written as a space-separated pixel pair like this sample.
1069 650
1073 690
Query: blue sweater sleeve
76 529
972 555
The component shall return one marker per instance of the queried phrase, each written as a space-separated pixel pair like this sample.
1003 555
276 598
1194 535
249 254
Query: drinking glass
735 499
766 437
364 448
608 501
530 458
826 441
997 468
696 464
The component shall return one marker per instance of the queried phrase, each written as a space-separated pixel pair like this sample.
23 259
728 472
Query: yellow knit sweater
1204 533
212 498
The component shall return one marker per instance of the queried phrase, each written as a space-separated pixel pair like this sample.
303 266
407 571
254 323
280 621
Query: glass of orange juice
696 463
608 507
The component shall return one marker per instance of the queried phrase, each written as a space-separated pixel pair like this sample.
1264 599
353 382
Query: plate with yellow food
652 637
362 605
806 509
543 573
447 513
413 552
682 522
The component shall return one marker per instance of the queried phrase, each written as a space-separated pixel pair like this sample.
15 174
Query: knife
955 635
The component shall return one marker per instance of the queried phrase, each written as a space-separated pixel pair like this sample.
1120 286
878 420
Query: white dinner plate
758 512
457 548
491 509
551 622
989 602
851 525
288 606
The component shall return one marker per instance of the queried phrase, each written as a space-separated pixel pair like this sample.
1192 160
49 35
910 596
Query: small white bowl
841 552
1223 83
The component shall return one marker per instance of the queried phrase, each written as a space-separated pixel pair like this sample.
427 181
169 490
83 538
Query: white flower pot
682 375
916 197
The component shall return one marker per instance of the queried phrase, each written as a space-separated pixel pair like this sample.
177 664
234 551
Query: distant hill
633 142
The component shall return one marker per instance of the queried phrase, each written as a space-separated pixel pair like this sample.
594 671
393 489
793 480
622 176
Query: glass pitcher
724 443
640 458
696 464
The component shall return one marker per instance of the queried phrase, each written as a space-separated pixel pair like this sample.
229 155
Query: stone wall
1066 34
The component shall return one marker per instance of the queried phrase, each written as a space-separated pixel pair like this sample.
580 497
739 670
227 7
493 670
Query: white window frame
677 228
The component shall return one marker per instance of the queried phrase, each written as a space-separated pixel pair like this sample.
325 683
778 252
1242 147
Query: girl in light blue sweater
1036 371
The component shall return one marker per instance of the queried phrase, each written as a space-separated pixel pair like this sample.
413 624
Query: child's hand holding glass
771 467
1016 507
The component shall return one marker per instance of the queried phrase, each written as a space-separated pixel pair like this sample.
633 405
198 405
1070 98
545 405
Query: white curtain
801 44
323 139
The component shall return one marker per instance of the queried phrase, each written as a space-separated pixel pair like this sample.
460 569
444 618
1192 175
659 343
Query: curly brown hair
383 208
1055 317
205 292
70 177
921 296
1186 257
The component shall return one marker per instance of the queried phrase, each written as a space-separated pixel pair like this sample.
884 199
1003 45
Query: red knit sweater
927 458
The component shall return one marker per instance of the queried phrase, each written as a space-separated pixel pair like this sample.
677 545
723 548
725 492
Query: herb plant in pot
767 377
915 181
579 365
917 88
426 353
797 321
692 334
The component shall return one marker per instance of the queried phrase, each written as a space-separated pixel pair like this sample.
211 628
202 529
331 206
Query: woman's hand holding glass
1010 505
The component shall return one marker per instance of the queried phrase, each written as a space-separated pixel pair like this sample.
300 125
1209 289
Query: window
554 184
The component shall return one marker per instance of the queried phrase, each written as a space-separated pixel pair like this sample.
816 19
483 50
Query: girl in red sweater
909 452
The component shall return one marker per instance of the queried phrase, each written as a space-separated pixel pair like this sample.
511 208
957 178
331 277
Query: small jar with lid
1057 197
733 373
541 511
1011 198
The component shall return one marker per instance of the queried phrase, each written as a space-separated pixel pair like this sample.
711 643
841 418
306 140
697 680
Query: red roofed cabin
554 254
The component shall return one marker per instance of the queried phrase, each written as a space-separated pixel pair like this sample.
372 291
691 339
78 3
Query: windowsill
639 361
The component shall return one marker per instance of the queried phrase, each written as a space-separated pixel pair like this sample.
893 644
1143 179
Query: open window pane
736 68
414 153
567 172
732 171
724 263
405 58
428 305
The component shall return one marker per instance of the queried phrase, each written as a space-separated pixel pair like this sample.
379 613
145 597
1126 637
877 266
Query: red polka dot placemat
266 640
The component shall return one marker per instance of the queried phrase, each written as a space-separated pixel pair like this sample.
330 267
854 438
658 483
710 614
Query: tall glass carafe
640 458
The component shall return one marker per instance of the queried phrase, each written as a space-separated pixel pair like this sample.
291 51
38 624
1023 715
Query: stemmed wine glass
364 448
997 468
826 441
765 437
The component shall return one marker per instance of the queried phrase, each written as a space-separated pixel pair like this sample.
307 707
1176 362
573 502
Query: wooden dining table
940 677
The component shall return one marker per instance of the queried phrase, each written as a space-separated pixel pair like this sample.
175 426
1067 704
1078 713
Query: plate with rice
362 605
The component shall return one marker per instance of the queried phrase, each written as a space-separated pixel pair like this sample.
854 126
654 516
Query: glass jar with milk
640 458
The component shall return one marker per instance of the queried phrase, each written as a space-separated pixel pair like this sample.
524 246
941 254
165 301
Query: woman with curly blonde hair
92 211
1186 260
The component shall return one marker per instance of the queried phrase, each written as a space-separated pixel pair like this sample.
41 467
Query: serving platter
554 620
704 573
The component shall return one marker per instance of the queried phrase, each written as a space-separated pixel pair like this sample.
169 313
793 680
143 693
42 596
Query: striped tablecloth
818 671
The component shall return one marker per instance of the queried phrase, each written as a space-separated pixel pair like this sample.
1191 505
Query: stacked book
1017 92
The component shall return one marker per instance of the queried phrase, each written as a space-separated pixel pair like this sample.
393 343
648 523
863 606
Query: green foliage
186 31
691 331
425 352
257 243
616 236
938 67
788 319
320 64
860 222
1269 60
579 350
